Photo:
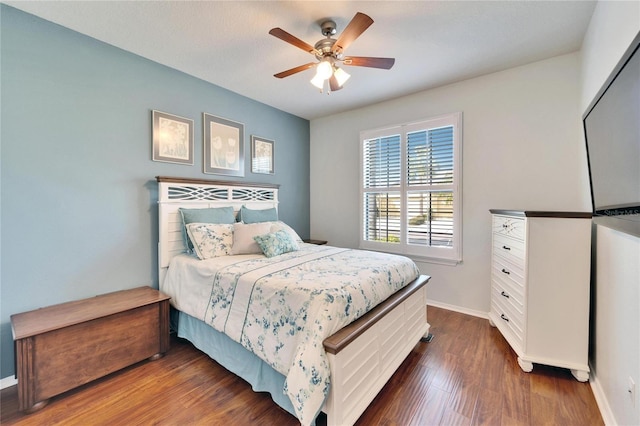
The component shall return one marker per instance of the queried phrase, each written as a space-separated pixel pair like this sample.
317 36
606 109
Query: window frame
434 254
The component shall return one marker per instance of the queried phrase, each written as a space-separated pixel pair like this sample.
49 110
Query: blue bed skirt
232 356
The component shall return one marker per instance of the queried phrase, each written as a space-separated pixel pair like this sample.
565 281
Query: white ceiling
227 42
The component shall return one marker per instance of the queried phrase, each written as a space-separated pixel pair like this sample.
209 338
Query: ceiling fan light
318 81
324 70
341 76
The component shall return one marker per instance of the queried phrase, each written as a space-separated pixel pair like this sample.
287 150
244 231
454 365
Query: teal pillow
220 215
277 243
246 215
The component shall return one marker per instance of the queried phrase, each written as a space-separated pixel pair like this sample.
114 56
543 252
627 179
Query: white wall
615 326
613 26
615 334
522 149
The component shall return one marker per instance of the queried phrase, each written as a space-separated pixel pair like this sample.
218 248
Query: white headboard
174 193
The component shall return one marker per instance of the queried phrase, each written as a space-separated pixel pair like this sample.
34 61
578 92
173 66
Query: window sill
418 258
423 259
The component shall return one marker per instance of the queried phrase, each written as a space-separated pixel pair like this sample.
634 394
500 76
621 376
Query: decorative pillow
281 226
243 233
246 215
208 215
277 243
210 240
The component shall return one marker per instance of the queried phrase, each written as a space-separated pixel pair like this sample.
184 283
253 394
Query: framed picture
223 146
261 155
172 139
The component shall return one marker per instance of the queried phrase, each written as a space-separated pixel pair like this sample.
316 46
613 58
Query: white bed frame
363 355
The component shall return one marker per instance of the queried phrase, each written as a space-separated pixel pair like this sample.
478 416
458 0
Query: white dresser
540 281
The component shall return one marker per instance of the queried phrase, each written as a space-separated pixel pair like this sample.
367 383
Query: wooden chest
64 346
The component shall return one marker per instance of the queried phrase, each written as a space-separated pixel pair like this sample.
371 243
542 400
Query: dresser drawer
507 289
509 248
509 320
506 271
511 226
506 319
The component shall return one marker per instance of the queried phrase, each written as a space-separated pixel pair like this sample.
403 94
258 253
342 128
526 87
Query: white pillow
280 225
211 239
243 233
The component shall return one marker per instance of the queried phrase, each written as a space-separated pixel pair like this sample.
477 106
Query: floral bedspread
282 308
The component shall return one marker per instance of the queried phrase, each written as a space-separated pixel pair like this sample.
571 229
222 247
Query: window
410 193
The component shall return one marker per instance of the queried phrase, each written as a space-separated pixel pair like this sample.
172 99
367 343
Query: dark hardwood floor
467 375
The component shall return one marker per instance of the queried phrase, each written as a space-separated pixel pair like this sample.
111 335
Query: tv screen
612 132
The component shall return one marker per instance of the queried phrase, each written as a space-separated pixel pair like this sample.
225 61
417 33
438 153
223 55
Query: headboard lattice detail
252 194
189 193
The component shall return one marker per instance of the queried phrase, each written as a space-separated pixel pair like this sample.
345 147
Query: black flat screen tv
612 134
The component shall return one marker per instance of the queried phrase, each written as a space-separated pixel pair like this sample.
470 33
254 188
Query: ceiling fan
329 52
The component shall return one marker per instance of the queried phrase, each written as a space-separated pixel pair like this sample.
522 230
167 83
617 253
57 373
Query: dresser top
540 213
67 314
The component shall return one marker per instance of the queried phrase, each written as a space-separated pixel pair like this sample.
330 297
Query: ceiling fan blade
365 61
291 39
295 70
352 31
333 84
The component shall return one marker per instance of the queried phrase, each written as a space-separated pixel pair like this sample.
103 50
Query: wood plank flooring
467 375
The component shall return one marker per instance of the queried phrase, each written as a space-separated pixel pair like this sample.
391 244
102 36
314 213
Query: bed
295 323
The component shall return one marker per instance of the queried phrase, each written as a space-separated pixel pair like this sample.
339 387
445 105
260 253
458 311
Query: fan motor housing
324 46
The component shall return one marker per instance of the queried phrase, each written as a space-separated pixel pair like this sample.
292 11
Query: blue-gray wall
78 195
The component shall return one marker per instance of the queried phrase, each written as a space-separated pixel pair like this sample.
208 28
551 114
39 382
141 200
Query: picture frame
172 138
262 155
223 146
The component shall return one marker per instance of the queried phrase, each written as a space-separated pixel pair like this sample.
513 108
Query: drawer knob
506 248
504 318
505 226
504 271
504 294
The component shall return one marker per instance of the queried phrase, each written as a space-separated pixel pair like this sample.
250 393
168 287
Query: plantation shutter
382 172
430 180
430 157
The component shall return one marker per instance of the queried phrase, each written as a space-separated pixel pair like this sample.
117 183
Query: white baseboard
459 309
8 382
601 399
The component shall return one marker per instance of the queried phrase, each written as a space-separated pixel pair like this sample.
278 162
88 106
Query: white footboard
361 367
